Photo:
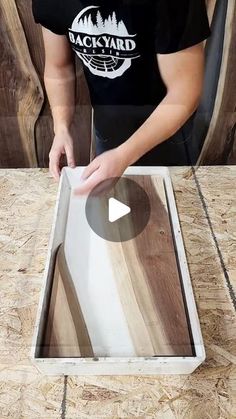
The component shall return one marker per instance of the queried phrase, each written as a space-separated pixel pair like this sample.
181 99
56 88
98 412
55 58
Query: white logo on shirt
104 45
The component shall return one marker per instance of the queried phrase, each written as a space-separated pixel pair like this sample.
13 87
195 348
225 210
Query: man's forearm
60 88
164 121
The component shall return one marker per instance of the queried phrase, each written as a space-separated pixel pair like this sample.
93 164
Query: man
144 64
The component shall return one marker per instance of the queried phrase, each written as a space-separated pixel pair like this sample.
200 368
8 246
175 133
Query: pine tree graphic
114 20
100 23
109 25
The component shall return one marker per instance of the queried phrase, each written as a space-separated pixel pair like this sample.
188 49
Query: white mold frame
117 365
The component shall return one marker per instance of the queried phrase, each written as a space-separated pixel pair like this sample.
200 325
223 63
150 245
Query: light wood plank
66 333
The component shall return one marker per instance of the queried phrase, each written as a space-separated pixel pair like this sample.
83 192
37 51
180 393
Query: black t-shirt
117 42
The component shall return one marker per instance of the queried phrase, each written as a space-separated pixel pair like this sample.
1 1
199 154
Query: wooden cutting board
148 284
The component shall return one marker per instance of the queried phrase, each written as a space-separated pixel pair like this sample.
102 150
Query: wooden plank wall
21 92
26 132
220 143
25 120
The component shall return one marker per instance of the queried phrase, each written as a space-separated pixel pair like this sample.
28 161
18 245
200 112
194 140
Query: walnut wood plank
66 334
148 280
22 95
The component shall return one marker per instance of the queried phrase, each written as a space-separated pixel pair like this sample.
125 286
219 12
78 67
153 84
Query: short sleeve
180 24
49 14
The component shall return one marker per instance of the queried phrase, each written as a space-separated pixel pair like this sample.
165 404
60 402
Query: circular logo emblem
103 43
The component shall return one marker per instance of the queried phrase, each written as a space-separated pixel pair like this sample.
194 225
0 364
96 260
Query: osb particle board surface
27 199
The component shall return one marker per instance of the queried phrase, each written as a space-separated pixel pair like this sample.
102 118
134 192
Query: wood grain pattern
147 283
219 146
23 105
148 264
26 123
43 133
66 334
28 393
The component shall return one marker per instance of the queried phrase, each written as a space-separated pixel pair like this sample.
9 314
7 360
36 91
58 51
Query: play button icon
118 209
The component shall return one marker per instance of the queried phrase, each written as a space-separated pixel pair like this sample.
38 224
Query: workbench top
206 203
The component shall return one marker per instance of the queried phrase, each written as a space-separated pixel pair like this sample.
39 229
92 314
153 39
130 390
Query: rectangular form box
121 344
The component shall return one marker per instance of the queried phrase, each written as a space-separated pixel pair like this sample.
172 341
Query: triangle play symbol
117 210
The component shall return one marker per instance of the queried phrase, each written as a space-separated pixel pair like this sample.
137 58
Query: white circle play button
118 209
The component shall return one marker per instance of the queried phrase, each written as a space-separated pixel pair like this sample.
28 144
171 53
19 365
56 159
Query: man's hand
62 144
107 165
59 80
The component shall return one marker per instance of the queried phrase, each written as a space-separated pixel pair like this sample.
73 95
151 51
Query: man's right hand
62 144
